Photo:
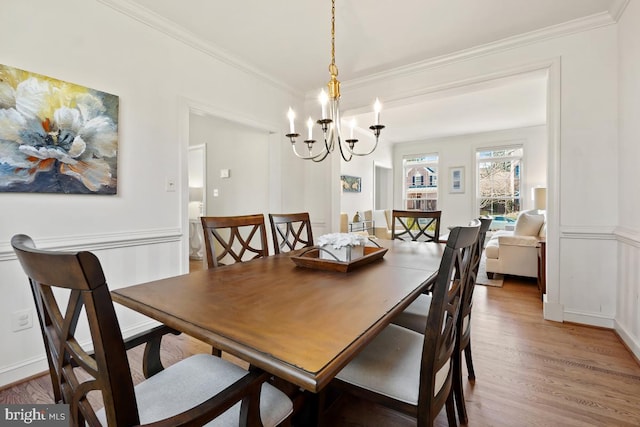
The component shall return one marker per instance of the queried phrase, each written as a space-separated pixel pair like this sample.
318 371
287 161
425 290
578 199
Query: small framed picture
351 184
456 179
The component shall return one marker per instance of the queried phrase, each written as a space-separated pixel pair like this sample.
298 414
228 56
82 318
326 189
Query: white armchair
515 252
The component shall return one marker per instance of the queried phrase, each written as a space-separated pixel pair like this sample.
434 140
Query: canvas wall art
56 136
351 184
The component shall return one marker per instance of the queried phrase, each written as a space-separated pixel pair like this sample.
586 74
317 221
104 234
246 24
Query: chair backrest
290 231
344 222
80 273
440 333
464 329
231 239
417 226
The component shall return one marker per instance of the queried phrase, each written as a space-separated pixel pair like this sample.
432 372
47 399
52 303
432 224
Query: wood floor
530 372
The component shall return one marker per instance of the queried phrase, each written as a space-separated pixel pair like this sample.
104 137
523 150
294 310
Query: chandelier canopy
330 119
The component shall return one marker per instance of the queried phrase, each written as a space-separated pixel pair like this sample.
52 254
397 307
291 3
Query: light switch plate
225 173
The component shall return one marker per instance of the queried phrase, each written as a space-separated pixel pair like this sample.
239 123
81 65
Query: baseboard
589 319
552 311
629 340
19 372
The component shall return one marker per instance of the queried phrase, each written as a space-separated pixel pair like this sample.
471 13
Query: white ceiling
288 42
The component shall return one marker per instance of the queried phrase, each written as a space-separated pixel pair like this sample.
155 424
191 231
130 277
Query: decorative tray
311 259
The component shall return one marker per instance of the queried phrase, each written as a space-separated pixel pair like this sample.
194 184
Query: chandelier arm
353 153
312 157
326 153
344 157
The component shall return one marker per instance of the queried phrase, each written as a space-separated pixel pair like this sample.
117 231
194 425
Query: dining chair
290 231
463 341
231 239
414 317
413 372
70 288
417 226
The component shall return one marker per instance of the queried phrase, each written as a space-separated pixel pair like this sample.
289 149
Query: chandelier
330 120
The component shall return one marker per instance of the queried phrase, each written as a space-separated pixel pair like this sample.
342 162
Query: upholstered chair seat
194 380
414 317
395 373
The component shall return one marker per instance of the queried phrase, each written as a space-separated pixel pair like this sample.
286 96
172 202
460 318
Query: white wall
460 208
628 232
141 233
363 166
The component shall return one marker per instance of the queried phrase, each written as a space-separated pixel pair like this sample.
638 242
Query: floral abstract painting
55 136
351 184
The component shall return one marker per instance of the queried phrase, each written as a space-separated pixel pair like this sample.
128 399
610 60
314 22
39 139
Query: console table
542 266
366 225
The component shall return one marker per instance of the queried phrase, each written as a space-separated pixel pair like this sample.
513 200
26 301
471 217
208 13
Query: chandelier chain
333 32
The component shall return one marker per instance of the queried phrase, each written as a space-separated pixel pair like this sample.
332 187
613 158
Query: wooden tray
311 259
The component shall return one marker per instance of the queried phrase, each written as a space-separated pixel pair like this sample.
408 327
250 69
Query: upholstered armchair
515 251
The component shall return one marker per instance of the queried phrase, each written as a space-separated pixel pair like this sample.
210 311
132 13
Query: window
499 182
421 182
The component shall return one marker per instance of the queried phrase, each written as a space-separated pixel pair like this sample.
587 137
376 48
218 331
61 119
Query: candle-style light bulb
291 115
353 125
324 99
377 107
310 126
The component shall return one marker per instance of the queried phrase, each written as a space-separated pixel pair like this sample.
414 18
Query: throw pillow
528 224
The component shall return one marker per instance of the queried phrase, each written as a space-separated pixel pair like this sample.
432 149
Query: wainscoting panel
127 259
588 275
627 320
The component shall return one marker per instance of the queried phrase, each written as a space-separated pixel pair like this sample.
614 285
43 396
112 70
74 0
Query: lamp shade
195 194
539 198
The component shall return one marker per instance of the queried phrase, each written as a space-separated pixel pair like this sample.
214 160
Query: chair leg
457 388
451 410
467 356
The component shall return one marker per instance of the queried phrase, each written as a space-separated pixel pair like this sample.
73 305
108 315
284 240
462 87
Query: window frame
429 161
520 158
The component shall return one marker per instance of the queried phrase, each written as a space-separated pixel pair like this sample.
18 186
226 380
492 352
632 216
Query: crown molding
560 30
169 28
617 8
159 23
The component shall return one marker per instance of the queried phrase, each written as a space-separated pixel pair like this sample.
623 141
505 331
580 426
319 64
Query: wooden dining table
302 325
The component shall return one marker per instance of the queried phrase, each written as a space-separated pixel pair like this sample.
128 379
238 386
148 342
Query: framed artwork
56 136
456 179
351 184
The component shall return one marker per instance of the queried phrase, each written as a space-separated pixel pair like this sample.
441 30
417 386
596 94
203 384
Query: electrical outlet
21 319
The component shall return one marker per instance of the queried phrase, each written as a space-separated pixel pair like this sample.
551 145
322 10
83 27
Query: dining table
302 325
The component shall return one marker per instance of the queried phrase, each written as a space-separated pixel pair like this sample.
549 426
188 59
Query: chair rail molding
94 242
628 236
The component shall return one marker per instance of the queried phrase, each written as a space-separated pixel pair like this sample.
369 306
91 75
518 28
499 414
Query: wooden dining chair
231 239
290 231
417 226
413 372
414 317
69 288
463 341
